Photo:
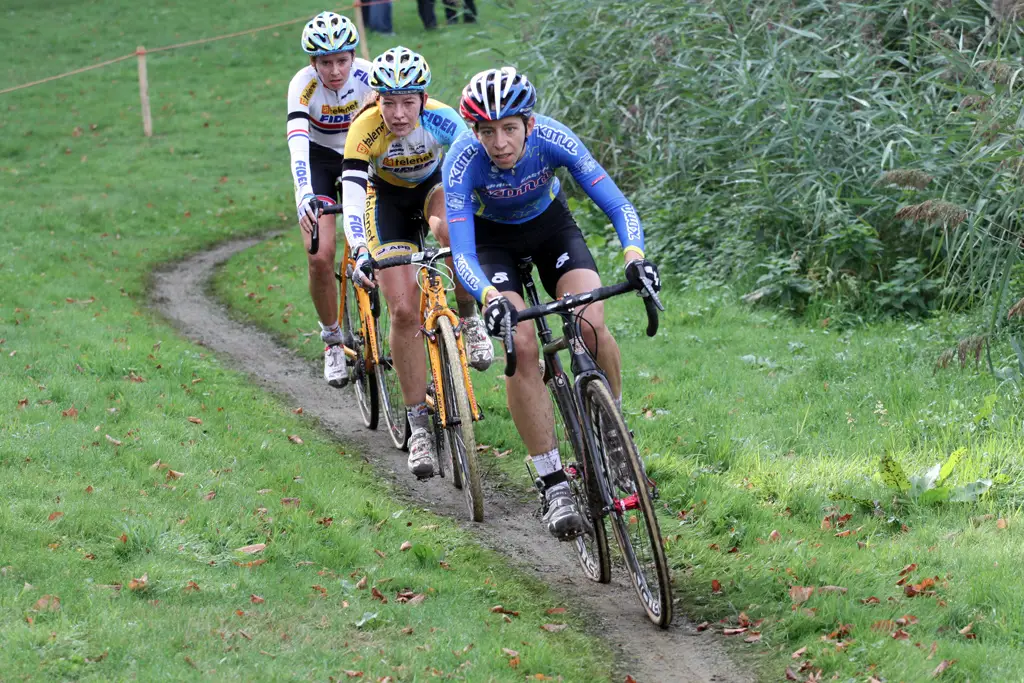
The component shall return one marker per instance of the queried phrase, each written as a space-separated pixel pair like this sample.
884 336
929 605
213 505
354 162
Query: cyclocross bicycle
450 395
365 334
605 472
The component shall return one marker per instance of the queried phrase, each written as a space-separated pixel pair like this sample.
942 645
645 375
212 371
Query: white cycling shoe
421 454
478 344
335 369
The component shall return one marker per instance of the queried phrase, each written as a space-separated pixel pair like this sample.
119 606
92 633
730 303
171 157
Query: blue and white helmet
327 33
497 93
399 71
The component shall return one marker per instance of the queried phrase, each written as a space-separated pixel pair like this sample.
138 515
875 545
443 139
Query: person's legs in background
469 16
426 11
451 11
380 18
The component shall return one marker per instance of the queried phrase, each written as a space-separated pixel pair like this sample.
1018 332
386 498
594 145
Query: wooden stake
363 48
147 119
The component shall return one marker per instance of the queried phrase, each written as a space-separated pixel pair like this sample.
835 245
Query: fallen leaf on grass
405 546
380 554
325 521
498 609
967 629
703 626
195 420
909 568
510 653
754 637
298 411
774 536
172 474
871 601
139 584
629 679
257 599
56 515
883 626
900 635
832 589
842 534
799 653
790 676
249 565
906 620
295 438
210 495
377 595
1001 523
71 412
47 603
293 502
244 634
556 610
554 628
353 674
361 583
734 631
919 588
191 587
407 630
251 549
112 440
800 594
716 586
943 665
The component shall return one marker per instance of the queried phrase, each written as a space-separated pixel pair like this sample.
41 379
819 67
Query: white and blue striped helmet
399 71
328 33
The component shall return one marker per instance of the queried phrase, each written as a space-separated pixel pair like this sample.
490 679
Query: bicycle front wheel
592 545
632 514
389 388
460 439
360 368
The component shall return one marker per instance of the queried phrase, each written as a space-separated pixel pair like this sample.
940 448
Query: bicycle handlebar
571 301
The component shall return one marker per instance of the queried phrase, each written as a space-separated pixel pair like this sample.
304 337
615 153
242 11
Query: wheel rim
357 371
630 525
390 388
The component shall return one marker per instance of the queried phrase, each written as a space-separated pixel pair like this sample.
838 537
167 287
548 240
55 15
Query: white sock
330 335
546 463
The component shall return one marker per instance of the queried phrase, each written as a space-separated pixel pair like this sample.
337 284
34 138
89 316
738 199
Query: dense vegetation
863 158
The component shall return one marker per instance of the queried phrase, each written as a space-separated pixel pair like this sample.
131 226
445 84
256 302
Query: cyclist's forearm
298 150
353 190
462 233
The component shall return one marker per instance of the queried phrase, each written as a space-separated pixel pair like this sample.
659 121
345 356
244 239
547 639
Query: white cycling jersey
320 116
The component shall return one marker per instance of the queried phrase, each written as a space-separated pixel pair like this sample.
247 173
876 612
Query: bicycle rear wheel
632 517
360 370
388 386
592 545
459 433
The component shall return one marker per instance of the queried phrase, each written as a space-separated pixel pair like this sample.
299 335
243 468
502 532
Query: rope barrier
190 43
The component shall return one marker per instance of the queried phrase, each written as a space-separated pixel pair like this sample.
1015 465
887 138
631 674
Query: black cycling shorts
552 240
394 220
325 172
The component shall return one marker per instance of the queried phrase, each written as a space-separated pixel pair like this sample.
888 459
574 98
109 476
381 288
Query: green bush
879 140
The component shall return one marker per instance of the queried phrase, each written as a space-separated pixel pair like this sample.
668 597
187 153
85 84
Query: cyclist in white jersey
323 99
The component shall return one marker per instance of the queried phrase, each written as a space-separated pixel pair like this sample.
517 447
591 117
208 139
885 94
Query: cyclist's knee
404 312
526 348
322 262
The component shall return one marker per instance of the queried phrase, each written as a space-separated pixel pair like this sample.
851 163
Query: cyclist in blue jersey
504 203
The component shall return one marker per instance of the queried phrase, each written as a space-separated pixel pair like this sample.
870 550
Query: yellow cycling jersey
404 161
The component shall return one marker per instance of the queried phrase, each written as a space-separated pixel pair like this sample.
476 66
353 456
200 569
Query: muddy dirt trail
679 654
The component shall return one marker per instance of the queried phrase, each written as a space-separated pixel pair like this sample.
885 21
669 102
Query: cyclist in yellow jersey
391 182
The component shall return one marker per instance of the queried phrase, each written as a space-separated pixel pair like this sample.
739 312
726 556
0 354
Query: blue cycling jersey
476 187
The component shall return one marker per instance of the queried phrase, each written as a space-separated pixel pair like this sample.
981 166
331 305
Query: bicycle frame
434 305
367 311
585 370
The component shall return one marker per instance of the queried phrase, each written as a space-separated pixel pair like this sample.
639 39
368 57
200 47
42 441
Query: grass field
133 467
766 437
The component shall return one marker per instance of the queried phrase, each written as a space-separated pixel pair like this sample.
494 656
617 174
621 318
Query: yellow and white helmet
399 71
327 33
